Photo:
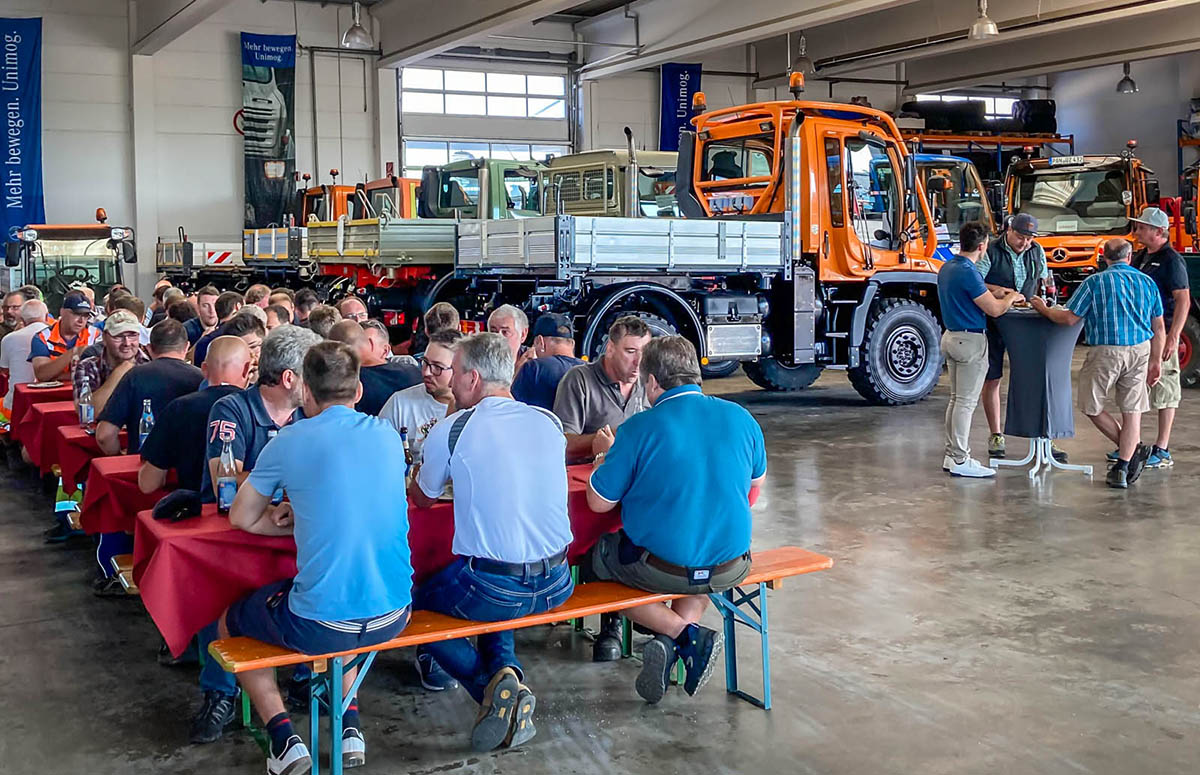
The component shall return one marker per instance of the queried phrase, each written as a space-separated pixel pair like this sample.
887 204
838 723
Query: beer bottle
87 410
226 478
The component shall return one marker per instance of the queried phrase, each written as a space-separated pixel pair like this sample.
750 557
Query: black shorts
995 351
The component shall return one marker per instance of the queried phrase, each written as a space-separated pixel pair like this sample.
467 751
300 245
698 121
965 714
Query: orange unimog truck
1080 202
808 245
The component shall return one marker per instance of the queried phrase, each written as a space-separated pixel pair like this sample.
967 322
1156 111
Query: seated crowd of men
273 376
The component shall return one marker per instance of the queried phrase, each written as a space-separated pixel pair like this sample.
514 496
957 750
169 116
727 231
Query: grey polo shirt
587 399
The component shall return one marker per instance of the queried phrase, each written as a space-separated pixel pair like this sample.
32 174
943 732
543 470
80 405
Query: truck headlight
274 169
28 235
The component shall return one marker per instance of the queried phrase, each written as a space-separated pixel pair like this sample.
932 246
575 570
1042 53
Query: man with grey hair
685 510
14 350
12 312
512 324
1122 318
247 419
511 530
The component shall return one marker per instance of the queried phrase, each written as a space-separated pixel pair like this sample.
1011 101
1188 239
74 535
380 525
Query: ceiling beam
155 23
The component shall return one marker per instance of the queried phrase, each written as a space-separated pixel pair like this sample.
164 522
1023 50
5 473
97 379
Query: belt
536 568
363 626
679 570
967 331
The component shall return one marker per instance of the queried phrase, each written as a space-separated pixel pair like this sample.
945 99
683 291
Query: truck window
315 204
741 157
460 191
568 183
522 191
383 200
874 201
837 191
656 195
963 202
1086 201
597 185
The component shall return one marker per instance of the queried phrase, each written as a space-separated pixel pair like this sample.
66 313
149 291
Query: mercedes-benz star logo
1059 254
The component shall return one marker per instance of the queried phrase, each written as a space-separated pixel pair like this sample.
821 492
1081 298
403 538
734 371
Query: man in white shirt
420 407
14 350
511 531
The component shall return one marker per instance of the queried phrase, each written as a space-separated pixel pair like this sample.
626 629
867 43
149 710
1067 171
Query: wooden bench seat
122 564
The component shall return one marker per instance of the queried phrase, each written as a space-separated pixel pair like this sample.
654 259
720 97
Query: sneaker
658 657
1059 455
218 712
292 760
1117 477
972 468
354 748
1138 462
1160 458
432 676
496 711
522 729
1113 456
607 646
996 445
107 586
698 658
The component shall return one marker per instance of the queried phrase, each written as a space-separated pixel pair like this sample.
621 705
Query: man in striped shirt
1123 320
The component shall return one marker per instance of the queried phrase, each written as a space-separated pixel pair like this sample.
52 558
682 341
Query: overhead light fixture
357 35
983 28
804 63
1126 84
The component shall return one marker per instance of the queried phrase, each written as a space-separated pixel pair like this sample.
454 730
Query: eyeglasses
357 317
436 369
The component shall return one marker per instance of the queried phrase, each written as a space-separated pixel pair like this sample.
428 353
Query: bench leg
748 608
326 690
336 708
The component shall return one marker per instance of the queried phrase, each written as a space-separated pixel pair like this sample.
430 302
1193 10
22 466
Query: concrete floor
968 627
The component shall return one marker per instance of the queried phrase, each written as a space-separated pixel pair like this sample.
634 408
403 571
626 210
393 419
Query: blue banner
21 96
268 50
679 83
268 124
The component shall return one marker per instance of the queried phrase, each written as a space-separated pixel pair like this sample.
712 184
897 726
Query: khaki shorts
1117 369
606 564
1167 393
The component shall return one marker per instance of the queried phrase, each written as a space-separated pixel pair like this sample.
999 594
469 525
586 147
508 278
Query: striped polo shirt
1117 306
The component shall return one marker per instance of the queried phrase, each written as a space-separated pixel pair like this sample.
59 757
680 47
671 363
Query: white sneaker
972 468
354 748
295 759
947 463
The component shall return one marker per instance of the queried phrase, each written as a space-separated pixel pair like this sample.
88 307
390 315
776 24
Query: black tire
901 354
718 369
1189 349
770 374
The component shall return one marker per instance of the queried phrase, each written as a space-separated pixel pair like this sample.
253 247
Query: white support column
145 174
387 121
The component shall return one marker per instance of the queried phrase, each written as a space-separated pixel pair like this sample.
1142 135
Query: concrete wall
1103 120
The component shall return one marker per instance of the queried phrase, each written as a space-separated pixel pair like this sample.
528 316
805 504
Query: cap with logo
122 321
77 302
1153 216
1024 223
554 324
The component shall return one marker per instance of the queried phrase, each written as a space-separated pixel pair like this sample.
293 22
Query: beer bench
746 604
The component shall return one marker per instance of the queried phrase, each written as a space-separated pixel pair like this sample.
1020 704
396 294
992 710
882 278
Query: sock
280 729
1158 449
1121 464
684 642
350 717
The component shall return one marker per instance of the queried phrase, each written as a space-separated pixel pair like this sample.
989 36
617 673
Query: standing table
25 397
1040 399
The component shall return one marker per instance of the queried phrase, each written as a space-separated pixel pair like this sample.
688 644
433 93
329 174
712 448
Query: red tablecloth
41 437
191 571
76 450
25 397
111 498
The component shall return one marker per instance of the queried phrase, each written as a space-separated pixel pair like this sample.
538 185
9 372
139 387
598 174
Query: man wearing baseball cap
1014 261
554 350
1168 271
121 352
54 349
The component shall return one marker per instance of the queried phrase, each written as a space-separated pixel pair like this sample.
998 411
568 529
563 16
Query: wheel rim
1185 351
905 354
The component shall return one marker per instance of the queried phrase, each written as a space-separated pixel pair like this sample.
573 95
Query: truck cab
481 188
389 196
1080 202
961 199
600 183
52 256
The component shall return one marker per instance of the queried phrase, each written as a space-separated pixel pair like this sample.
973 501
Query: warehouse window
993 107
424 153
475 93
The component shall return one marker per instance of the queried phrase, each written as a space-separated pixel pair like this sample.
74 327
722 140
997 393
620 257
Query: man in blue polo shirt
966 303
684 507
348 513
1123 321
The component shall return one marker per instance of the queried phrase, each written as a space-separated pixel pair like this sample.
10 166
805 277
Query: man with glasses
352 308
55 349
121 351
12 313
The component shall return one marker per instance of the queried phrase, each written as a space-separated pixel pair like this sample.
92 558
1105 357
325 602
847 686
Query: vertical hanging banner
268 125
21 94
679 83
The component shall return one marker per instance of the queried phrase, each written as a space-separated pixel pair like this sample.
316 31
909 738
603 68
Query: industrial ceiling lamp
983 28
1126 84
804 63
357 35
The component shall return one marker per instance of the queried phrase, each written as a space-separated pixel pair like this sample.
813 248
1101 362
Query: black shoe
1117 477
1137 463
433 677
217 713
1059 455
295 696
698 658
60 533
658 657
188 657
107 586
607 647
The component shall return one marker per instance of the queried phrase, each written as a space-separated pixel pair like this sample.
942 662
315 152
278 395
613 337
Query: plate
42 385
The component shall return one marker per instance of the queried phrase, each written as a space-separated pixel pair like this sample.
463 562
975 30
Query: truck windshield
963 201
1067 202
56 264
656 195
739 157
256 74
460 191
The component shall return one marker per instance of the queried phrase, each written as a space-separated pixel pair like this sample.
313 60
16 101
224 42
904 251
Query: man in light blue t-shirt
349 516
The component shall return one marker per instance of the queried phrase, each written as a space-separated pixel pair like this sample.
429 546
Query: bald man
380 379
178 439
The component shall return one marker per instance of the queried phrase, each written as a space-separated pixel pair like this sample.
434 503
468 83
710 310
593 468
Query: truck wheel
770 374
717 369
1189 353
901 354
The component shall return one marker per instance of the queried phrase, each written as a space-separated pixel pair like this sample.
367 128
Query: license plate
1065 161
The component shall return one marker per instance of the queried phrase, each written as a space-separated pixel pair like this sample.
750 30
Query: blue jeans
461 591
213 677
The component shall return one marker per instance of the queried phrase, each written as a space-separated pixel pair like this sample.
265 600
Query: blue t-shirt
959 284
537 381
681 471
351 513
194 329
243 417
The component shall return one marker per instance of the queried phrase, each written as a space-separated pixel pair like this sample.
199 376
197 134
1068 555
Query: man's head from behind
122 335
129 302
33 311
322 319
228 362
349 333
182 311
206 305
258 295
483 366
972 239
227 305
668 362
437 367
168 339
75 313
1117 251
281 361
330 377
627 336
441 317
510 323
553 334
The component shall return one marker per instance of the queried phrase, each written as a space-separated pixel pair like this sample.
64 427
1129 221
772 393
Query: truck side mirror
127 252
1189 219
685 192
1152 193
12 253
995 197
427 194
